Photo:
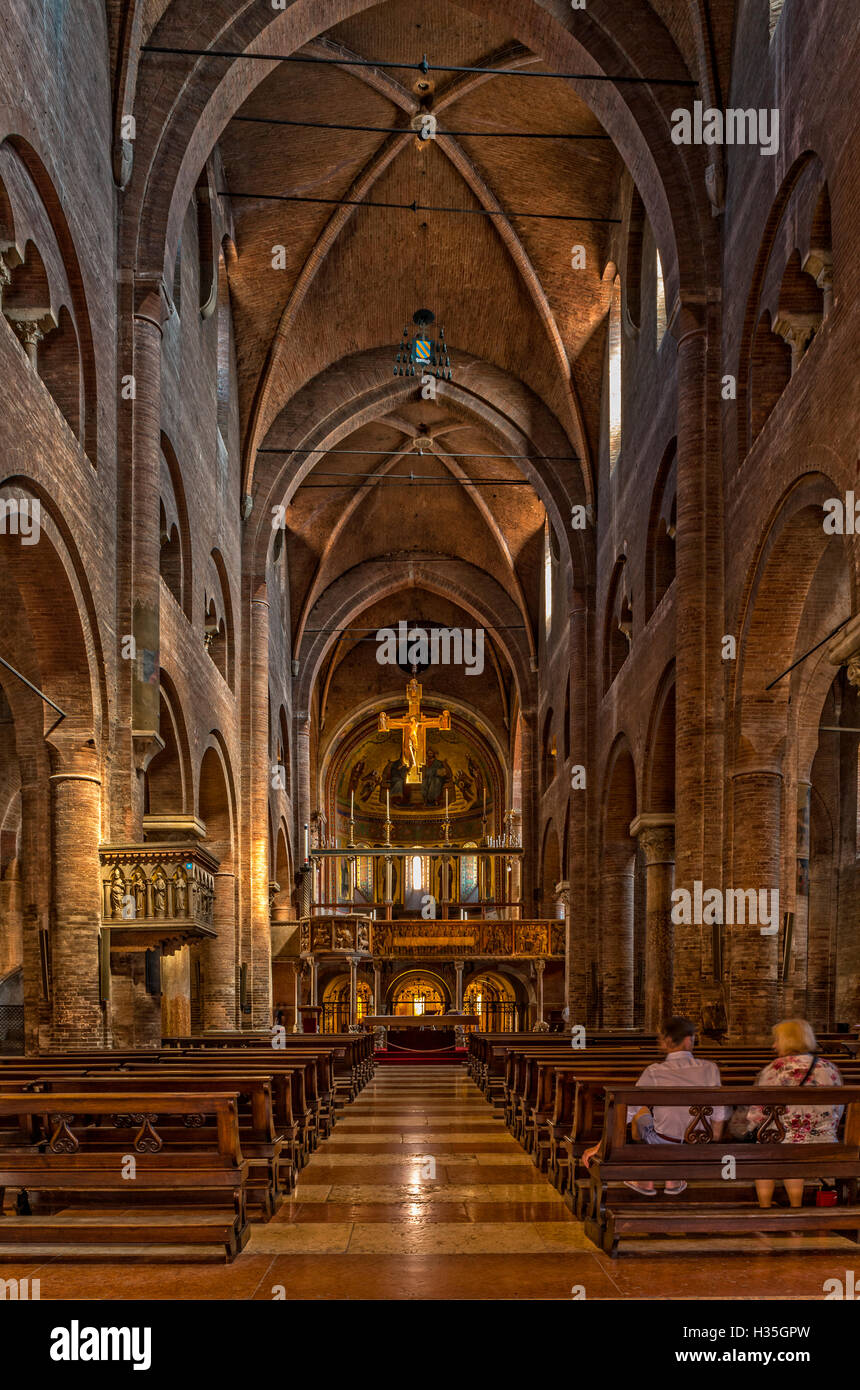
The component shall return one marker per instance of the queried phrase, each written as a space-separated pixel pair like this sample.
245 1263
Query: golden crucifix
414 725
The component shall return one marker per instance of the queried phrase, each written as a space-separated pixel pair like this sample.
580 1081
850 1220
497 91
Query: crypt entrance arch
493 999
417 992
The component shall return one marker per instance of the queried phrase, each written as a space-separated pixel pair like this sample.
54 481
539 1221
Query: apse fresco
455 764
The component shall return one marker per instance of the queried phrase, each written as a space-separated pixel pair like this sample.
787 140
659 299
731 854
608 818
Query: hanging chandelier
428 355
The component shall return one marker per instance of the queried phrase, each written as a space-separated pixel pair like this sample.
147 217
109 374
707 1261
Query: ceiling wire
424 66
431 453
408 207
407 130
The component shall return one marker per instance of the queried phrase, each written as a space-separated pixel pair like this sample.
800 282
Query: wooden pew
271 1168
57 1150
352 1053
613 1213
308 1074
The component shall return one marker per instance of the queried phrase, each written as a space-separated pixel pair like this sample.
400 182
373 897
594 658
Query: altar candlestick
352 805
307 842
446 801
387 804
485 801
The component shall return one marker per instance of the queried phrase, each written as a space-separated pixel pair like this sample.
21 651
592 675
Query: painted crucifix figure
414 725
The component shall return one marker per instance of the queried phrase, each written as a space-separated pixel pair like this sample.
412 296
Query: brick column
531 816
616 927
458 978
144 543
353 990
540 967
578 901
800 944
37 895
11 919
78 1018
656 835
754 959
258 805
691 627
220 974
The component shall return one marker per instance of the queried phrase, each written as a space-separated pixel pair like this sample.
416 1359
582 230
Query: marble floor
421 1193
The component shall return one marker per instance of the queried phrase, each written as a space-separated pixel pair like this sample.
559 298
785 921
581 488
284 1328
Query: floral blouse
804 1124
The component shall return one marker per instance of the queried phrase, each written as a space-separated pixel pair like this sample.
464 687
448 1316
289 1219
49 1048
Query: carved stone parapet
333 935
156 893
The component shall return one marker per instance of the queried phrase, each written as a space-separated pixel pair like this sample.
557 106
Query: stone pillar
798 980
656 835
377 987
353 990
220 963
458 996
314 985
693 605
616 926
176 993
150 313
754 957
574 996
258 804
37 895
540 967
11 919
530 813
303 771
297 997
78 1019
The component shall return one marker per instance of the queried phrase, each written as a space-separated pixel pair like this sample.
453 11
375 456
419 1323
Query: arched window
468 875
661 300
364 875
615 373
776 7
416 873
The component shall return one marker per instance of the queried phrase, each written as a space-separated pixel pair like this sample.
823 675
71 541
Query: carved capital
656 834
797 330
844 650
152 300
819 264
145 743
30 327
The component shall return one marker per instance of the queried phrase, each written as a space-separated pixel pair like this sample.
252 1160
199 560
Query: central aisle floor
421 1193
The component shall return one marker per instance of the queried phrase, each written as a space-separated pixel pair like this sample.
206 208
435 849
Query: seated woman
797 1064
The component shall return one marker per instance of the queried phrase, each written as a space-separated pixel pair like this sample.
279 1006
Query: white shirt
679 1069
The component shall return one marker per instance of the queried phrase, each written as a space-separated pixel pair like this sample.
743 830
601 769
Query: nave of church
421 1193
429 648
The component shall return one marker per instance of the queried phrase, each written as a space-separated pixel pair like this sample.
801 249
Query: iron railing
12 1029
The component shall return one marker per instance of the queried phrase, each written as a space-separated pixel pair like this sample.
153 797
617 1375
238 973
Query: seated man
668 1123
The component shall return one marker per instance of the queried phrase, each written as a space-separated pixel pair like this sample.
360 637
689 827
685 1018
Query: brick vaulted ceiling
315 341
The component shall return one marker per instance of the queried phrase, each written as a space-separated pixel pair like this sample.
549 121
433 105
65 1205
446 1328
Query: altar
421 1032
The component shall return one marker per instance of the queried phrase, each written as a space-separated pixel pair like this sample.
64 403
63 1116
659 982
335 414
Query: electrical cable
423 66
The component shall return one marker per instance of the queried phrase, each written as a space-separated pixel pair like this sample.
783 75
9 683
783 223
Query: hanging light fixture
419 350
